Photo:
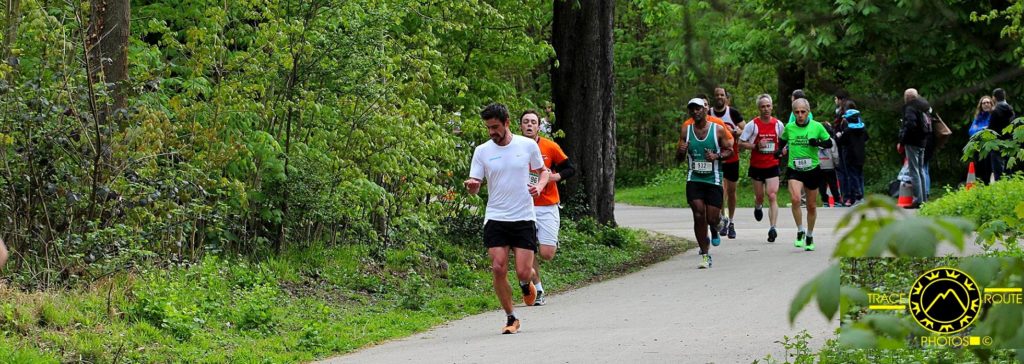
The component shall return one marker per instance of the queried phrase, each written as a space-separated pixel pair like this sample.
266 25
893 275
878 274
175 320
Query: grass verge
306 304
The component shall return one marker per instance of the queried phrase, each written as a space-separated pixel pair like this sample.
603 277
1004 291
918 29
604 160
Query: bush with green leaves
997 209
879 229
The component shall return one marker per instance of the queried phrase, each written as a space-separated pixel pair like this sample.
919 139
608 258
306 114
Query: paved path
670 312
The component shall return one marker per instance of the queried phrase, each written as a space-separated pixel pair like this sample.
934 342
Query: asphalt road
670 312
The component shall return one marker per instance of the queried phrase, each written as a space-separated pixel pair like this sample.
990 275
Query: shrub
997 209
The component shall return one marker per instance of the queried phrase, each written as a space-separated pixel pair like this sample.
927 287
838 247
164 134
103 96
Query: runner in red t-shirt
761 137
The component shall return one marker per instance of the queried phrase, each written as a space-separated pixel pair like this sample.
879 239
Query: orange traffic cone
906 195
970 176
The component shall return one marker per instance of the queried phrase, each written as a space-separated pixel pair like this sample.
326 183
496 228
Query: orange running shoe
512 326
529 293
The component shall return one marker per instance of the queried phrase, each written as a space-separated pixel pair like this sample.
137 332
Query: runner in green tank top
704 145
804 137
701 168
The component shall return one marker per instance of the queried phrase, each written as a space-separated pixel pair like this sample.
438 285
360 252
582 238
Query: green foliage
242 311
916 237
997 209
252 125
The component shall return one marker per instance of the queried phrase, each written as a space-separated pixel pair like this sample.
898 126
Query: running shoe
725 227
758 214
540 299
810 244
512 326
715 238
772 234
732 231
799 243
529 293
705 261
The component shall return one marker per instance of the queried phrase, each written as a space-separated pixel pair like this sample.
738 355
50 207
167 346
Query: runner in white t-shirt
506 162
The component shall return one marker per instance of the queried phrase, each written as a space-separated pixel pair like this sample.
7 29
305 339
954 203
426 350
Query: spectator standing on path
1002 115
734 124
982 117
761 137
545 205
505 163
852 136
839 99
804 136
704 145
828 160
913 138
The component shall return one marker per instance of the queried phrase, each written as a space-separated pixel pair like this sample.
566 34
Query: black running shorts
516 234
709 193
762 174
731 171
812 179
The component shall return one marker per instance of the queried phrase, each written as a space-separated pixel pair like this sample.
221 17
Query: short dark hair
495 111
727 94
999 94
799 94
842 94
528 111
849 104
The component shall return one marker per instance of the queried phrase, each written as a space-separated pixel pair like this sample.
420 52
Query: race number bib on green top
767 148
803 163
701 167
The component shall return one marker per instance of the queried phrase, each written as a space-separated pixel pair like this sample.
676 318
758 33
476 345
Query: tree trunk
791 76
10 28
583 86
109 30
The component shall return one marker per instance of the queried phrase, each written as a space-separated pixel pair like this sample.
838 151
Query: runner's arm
725 145
747 137
3 253
545 176
565 170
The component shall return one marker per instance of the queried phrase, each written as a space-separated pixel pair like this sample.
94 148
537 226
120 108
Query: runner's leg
499 272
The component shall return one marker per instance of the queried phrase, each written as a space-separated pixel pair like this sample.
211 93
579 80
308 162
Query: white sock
800 228
540 288
511 314
757 206
810 234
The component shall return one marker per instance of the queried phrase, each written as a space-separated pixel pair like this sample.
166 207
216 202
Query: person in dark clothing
1002 115
840 98
913 138
852 136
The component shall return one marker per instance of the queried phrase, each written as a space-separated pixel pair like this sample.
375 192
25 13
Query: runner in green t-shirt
804 137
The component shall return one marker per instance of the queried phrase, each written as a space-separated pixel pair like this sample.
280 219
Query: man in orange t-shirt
545 205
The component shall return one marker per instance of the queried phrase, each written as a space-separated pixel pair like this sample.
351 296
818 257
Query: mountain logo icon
945 300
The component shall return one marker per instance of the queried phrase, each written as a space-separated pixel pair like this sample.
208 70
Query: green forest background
319 141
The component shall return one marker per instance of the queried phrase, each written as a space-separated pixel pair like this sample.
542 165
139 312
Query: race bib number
701 167
767 148
534 178
803 163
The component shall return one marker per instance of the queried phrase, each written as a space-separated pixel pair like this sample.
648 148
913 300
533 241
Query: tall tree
583 86
109 31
